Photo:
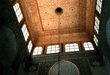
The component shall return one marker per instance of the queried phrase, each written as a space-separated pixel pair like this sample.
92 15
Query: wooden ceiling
76 22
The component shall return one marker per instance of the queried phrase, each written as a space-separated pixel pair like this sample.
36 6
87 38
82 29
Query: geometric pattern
64 68
50 20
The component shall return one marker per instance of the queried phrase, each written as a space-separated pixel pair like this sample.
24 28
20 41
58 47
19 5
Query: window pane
99 6
89 43
76 49
85 43
71 49
86 48
53 48
37 48
25 32
52 51
18 12
37 51
67 50
48 47
71 44
75 44
57 50
67 45
30 46
95 40
92 48
57 46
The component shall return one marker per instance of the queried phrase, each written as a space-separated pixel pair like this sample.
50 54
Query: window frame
95 25
71 43
51 45
94 40
100 8
32 46
13 3
27 30
92 44
41 50
22 22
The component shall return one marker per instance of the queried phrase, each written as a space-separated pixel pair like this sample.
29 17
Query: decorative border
74 9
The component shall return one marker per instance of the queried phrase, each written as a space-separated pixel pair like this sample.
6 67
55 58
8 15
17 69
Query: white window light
95 40
37 51
25 32
18 12
53 49
30 46
99 6
88 46
97 25
71 47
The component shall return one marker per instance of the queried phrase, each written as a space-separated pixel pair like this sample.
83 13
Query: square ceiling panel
50 20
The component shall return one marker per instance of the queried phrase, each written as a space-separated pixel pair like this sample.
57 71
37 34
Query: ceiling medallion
46 12
72 22
59 11
72 9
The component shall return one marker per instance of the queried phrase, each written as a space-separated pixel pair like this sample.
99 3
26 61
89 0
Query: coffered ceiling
45 26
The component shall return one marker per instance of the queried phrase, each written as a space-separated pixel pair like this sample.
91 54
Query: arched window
37 51
30 46
99 6
88 46
71 47
95 40
97 25
18 12
53 49
25 32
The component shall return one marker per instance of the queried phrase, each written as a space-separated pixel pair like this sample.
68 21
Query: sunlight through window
97 25
88 46
95 40
53 49
37 51
30 46
99 6
71 47
18 12
25 32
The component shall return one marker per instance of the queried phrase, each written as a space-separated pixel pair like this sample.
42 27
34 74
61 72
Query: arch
9 44
108 31
66 68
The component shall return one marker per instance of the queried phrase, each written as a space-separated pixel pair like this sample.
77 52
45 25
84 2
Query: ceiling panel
50 20
76 22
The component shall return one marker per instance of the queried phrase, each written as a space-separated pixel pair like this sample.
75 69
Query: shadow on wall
8 49
8 43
